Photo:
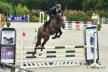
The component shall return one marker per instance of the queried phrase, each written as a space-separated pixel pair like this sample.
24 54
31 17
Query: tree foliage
21 10
5 8
84 5
95 5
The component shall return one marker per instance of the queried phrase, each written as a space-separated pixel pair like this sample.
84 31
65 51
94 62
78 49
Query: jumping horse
52 27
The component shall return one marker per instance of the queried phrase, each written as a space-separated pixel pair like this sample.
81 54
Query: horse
50 28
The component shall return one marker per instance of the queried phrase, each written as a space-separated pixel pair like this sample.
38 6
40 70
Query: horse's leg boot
54 37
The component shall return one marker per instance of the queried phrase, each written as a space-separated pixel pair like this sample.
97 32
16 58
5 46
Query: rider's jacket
53 11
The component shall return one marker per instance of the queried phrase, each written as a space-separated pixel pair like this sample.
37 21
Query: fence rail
14 67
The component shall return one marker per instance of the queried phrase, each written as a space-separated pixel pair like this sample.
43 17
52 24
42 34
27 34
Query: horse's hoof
34 53
53 37
58 36
41 49
40 54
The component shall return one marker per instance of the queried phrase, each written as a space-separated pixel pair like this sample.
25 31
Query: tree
25 10
95 5
5 8
21 10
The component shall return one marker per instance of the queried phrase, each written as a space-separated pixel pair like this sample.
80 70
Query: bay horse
50 28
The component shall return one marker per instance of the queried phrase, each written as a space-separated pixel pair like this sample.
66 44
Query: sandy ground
76 37
69 37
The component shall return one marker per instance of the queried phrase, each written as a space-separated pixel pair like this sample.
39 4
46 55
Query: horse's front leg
55 36
59 33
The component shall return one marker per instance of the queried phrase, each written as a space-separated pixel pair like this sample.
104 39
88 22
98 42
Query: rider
53 11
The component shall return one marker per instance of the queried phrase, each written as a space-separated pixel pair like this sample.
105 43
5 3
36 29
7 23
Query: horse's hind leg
44 42
38 43
39 38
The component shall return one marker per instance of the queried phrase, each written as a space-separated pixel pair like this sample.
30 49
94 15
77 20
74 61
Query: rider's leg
46 23
51 16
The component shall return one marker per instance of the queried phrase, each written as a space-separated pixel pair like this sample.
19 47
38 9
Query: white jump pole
21 62
41 17
22 48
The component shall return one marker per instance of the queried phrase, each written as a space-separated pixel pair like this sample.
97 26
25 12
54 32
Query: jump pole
22 48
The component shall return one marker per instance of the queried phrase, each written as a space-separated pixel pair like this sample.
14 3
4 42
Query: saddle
47 23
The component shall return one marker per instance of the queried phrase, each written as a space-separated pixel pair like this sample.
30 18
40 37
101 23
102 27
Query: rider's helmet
58 7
